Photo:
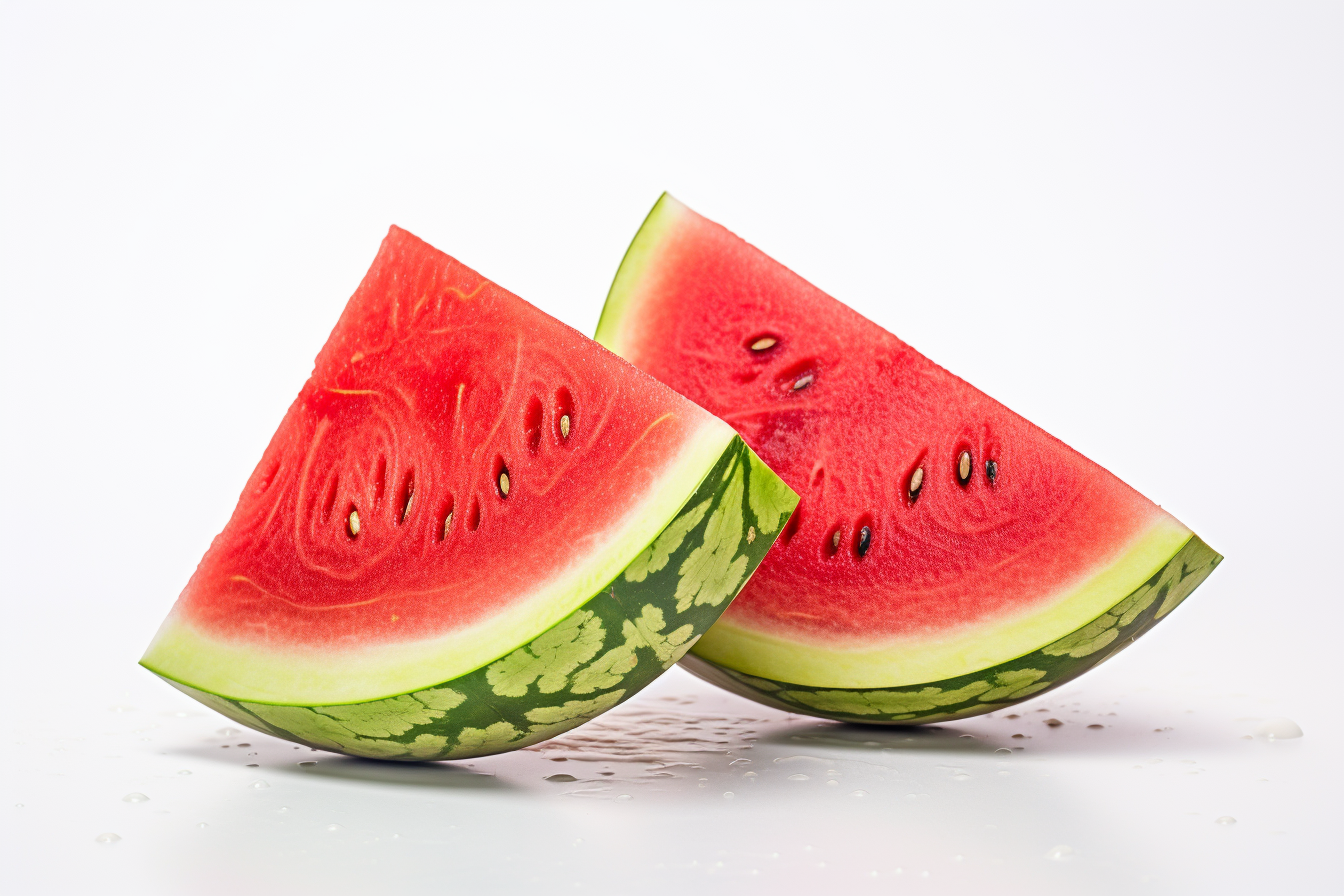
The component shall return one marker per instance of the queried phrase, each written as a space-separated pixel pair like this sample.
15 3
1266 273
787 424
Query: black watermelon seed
865 540
991 471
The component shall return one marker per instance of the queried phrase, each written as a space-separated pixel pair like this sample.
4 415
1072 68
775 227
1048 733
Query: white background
1126 222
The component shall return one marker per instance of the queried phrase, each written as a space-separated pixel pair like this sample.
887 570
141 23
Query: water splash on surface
1279 729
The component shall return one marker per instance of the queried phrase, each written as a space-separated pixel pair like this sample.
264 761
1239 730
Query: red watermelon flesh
460 472
938 532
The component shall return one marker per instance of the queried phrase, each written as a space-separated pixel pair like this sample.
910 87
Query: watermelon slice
474 529
947 557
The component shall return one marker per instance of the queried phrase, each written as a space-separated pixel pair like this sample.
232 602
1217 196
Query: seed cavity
447 514
352 523
991 471
564 426
964 467
407 496
763 343
916 483
865 541
532 424
803 382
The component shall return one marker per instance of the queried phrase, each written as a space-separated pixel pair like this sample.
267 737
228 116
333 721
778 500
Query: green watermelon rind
617 642
996 687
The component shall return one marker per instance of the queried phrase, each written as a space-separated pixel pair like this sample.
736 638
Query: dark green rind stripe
619 641
998 686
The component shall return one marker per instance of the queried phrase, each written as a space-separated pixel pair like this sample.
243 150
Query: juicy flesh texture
434 384
846 414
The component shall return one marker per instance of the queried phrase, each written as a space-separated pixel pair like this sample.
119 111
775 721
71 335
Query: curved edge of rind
631 270
994 687
608 649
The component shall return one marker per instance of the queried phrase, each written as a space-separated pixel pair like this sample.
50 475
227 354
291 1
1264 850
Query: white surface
1124 223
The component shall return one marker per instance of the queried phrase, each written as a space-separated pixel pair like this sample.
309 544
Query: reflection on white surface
1092 790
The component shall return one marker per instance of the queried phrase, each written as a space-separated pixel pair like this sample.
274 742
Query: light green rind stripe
618 641
247 671
661 217
908 662
993 687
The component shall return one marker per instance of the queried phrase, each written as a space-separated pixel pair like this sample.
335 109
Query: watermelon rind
978 645
995 687
620 639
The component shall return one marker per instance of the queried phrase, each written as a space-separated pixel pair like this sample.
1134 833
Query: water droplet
1096 726
308 763
184 772
1224 819
1004 751
798 777
1053 723
832 783
859 793
202 824
962 777
259 785
1062 854
253 765
739 761
749 774
1279 729
578 842
624 796
561 779
282 810
228 732
18 805
727 794
106 838
135 798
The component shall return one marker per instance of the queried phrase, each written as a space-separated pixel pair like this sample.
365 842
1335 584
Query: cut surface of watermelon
939 535
471 516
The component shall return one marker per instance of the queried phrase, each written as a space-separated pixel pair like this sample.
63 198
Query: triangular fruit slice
474 529
947 557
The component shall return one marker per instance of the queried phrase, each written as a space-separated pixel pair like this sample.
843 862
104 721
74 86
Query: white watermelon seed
763 343
803 381
964 466
916 482
352 523
504 483
835 539
564 426
447 523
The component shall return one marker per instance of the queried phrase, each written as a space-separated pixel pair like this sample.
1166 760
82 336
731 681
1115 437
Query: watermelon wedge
947 558
474 529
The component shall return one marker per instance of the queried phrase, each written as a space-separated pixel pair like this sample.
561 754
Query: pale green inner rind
916 660
259 673
616 643
633 267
